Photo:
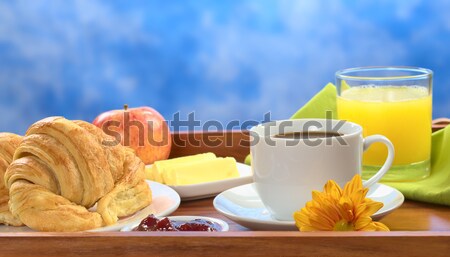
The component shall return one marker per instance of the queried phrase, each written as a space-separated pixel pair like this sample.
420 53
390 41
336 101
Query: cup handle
387 164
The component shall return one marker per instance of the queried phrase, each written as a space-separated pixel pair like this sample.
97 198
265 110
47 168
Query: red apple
143 129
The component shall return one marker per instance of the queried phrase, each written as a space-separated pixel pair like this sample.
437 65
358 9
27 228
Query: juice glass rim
416 73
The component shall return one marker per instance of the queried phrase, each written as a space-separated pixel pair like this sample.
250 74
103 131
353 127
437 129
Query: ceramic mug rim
357 129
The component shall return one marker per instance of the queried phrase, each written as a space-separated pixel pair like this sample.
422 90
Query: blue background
224 60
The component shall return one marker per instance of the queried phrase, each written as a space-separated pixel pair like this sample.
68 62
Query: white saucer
209 189
243 205
223 225
165 201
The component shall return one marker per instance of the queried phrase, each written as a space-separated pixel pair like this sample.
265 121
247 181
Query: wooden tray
418 229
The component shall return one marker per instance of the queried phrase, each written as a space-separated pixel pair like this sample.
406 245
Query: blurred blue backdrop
225 60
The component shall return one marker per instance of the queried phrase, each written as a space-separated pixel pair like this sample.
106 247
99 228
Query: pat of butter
156 170
200 171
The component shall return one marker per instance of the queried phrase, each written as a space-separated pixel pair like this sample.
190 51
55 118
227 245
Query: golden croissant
8 144
63 168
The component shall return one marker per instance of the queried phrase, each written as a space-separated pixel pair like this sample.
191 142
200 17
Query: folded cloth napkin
320 105
433 189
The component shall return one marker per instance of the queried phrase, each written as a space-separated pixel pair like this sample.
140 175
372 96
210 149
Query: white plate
221 223
243 205
165 201
209 189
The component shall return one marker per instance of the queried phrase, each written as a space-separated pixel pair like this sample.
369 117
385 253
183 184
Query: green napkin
434 189
321 105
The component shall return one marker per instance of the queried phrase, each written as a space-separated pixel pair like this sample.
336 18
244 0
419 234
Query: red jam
151 223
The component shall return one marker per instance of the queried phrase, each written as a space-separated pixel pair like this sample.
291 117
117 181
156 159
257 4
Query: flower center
343 225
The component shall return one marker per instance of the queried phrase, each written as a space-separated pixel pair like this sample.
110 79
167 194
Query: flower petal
346 209
380 226
362 222
368 227
353 185
317 221
301 218
332 189
370 208
317 196
307 228
359 196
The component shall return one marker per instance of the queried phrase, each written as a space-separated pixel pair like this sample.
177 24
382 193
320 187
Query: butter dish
209 189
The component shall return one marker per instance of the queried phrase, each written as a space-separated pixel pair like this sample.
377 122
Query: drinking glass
395 102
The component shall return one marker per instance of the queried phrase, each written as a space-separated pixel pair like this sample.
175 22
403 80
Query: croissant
8 144
62 168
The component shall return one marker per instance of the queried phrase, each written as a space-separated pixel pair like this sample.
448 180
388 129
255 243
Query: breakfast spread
151 223
75 176
200 168
61 169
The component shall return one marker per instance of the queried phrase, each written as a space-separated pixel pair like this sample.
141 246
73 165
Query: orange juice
401 113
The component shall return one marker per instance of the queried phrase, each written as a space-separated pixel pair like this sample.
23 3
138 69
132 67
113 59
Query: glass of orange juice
394 102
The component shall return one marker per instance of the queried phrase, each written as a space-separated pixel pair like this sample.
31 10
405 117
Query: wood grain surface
227 244
418 229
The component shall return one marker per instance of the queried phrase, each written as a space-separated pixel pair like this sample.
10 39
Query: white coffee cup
286 171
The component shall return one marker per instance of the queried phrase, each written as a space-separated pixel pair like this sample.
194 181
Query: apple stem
125 107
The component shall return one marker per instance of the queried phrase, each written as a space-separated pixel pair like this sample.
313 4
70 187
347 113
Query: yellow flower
335 209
